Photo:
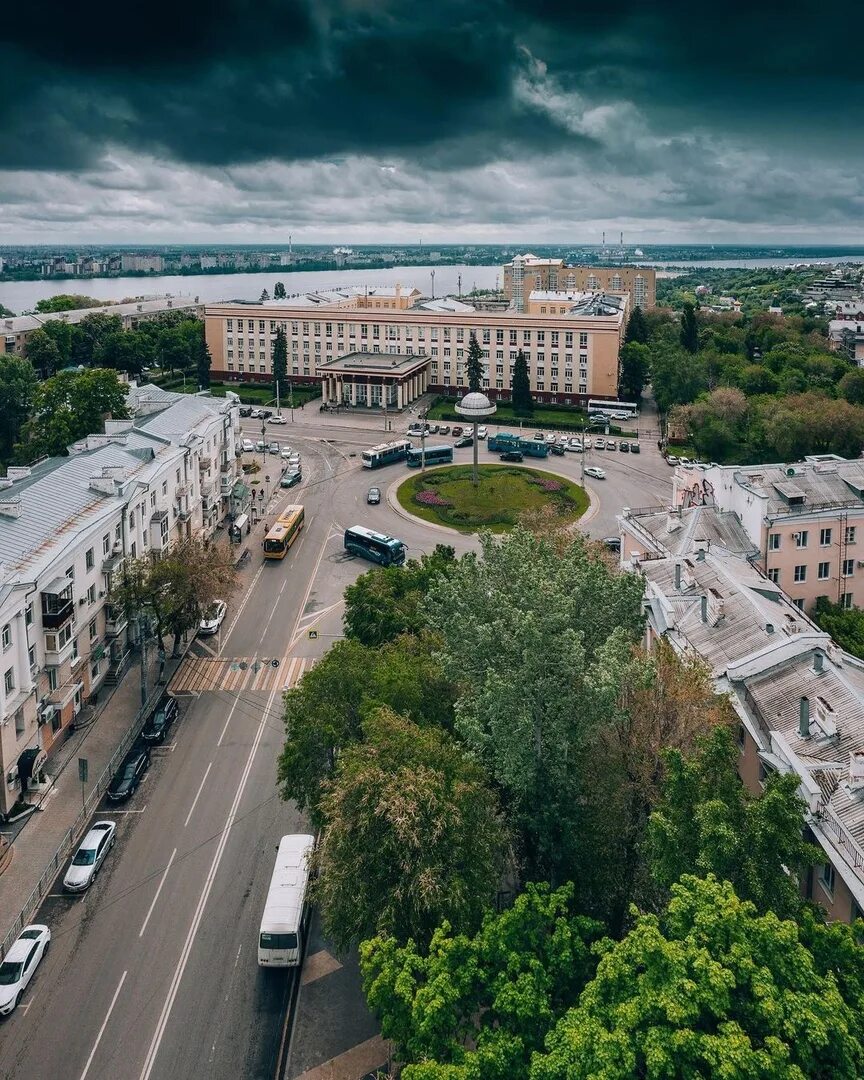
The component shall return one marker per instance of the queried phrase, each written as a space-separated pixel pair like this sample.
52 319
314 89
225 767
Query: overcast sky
367 120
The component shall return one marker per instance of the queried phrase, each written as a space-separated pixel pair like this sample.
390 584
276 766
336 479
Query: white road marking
244 602
104 1025
198 795
237 960
159 890
272 613
312 578
107 811
228 721
205 894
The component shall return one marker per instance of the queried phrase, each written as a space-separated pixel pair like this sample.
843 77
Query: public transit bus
607 408
435 455
280 939
386 550
386 454
529 447
284 532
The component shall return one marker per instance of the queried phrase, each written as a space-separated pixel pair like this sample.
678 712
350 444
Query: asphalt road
153 973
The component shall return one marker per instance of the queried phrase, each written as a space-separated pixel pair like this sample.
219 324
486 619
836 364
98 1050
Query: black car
131 772
511 455
264 414
557 448
634 447
245 410
157 726
466 440
373 496
612 542
624 447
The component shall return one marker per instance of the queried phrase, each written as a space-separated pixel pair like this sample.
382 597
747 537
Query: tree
386 602
707 822
527 710
709 988
637 328
845 625
18 384
323 713
523 404
61 332
279 291
482 1004
264 296
413 836
474 367
689 329
203 362
67 302
634 366
677 377
69 406
280 361
43 353
88 335
851 386
177 589
126 350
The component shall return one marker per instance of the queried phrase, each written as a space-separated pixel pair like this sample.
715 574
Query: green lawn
547 417
504 492
249 393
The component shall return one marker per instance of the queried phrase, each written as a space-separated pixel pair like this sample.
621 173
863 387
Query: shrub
431 498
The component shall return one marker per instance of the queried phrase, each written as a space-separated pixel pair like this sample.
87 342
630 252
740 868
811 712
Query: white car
286 452
294 461
89 856
212 618
598 474
587 444
551 438
482 432
248 446
575 446
277 419
19 963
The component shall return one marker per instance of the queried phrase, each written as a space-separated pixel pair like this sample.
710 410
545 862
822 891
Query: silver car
90 856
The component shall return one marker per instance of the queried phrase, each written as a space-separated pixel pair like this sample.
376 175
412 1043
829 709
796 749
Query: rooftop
375 363
817 483
681 531
19 324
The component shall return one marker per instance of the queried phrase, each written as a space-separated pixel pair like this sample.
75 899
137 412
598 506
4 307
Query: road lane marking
243 604
104 1025
109 811
228 721
312 578
272 613
198 795
205 894
159 890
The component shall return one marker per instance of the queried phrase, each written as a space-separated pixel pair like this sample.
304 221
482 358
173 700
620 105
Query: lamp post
589 425
475 407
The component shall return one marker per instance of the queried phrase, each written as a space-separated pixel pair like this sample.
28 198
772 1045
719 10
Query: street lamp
591 424
475 407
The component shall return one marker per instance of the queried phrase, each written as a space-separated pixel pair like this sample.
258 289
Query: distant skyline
368 121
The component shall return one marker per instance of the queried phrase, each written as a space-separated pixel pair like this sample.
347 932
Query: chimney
856 771
703 604
818 661
678 576
804 717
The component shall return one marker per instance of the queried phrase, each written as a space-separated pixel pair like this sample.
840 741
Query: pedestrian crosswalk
246 674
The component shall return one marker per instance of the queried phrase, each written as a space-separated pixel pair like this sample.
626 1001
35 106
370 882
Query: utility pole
291 399
141 624
423 447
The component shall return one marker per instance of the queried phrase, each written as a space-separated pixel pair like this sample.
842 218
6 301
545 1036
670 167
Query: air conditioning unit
796 536
860 564
45 713
12 775
102 595
118 547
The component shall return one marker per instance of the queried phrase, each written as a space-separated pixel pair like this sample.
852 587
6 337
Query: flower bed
431 498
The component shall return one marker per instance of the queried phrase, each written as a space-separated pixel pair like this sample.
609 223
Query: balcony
226 483
116 621
181 491
58 607
204 463
184 513
58 647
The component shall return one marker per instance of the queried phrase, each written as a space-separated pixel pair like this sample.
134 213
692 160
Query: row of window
823 571
801 538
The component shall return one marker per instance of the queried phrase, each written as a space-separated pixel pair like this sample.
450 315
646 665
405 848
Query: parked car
90 856
611 444
212 618
256 414
586 443
265 414
512 455
286 452
466 440
598 474
624 447
575 445
19 963
599 444
373 496
457 430
273 448
432 429
443 429
292 477
245 410
482 432
277 419
130 774
248 446
551 438
162 718
294 461
557 448
634 448
612 542
260 446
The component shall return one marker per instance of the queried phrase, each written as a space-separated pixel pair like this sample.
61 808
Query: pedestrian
266 527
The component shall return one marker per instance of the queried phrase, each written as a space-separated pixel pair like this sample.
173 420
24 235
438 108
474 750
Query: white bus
616 409
280 941
386 453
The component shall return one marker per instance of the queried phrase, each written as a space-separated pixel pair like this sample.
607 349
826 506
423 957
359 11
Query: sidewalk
39 837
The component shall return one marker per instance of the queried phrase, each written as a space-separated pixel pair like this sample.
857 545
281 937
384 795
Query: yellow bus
284 532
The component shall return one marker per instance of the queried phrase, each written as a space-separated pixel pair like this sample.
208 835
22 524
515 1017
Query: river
21 296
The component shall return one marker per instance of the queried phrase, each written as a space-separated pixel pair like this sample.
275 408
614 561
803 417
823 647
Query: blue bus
386 454
529 447
376 547
435 455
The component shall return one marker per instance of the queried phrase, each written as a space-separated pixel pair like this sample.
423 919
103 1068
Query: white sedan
551 438
286 452
248 446
277 419
598 474
90 856
482 433
19 963
213 618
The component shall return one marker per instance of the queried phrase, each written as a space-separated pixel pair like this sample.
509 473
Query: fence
73 834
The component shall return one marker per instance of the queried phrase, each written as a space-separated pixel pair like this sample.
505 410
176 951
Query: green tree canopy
67 302
43 352
637 328
61 332
523 403
69 406
707 822
18 383
126 350
89 334
412 837
851 386
474 367
712 989
280 361
386 602
845 625
482 1004
635 361
689 329
279 291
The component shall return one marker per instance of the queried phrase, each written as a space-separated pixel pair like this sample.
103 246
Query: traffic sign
274 663
83 767
313 634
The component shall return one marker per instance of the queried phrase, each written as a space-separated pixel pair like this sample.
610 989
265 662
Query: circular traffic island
447 496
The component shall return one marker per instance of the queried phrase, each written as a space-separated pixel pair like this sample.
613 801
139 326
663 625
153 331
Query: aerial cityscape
431 598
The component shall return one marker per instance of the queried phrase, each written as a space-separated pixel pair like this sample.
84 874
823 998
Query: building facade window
848 567
774 542
774 575
824 537
824 571
9 680
7 637
801 538
801 572
828 879
850 534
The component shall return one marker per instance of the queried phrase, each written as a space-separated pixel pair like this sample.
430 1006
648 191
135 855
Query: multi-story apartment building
806 520
799 699
147 264
847 336
527 274
571 356
15 329
66 527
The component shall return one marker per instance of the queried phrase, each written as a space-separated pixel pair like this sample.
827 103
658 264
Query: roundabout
447 496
